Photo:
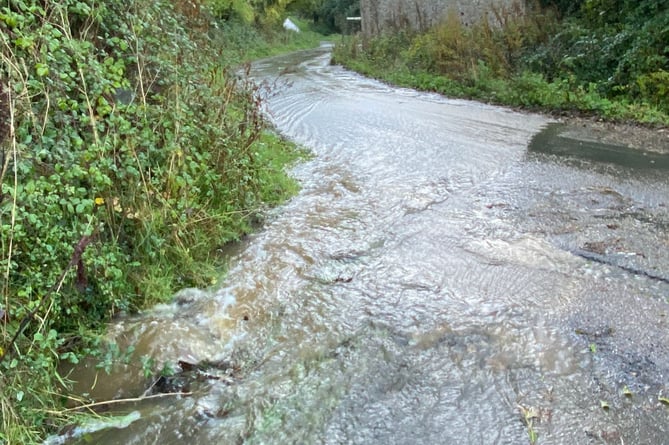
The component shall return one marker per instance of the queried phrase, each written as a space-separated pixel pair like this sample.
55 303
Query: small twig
14 157
118 401
91 112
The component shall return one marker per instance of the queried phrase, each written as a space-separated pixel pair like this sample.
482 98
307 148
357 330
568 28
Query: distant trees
328 15
261 11
332 13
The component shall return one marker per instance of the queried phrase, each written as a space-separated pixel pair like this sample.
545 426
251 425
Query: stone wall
387 15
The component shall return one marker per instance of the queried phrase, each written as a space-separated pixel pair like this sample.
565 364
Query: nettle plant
125 151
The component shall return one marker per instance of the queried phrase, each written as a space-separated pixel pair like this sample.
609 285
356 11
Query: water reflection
555 140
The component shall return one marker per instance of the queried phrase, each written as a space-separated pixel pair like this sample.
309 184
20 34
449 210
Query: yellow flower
99 201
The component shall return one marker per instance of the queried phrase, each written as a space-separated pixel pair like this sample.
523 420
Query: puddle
559 139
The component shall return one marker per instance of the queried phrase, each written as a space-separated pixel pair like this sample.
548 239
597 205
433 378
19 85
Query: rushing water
448 275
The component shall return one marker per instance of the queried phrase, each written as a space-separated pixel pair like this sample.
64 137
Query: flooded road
451 273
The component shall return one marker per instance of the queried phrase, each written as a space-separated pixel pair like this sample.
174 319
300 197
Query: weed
529 415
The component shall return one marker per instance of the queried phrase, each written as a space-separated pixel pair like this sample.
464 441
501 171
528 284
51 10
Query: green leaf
42 69
664 400
70 357
24 42
19 396
10 19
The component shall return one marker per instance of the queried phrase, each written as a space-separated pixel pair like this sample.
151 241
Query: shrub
129 156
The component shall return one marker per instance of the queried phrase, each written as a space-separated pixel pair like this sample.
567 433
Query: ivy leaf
42 69
24 42
10 19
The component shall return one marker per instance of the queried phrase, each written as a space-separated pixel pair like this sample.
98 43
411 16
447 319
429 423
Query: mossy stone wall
380 16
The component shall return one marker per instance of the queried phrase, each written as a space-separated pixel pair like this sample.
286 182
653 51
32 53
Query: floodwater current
451 273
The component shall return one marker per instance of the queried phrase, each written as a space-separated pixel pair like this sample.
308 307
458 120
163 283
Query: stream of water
451 273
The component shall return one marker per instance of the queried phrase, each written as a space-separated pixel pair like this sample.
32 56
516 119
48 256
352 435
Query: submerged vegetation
132 149
607 58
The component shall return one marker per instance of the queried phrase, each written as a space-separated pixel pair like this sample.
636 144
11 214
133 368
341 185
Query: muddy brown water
451 273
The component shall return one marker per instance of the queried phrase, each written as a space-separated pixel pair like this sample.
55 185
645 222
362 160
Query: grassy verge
511 60
527 90
130 152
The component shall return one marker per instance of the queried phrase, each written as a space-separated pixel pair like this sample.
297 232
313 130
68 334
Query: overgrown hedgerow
128 156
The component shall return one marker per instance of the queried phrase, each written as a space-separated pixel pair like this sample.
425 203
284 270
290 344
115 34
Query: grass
526 90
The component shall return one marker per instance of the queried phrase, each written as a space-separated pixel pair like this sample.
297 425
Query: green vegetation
529 415
329 16
131 150
607 58
243 43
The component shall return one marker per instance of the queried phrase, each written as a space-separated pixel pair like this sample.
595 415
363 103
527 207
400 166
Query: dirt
624 134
